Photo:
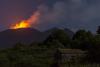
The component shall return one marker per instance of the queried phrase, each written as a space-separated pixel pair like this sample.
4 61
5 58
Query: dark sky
73 14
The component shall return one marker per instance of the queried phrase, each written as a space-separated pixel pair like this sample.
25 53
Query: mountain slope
27 35
68 31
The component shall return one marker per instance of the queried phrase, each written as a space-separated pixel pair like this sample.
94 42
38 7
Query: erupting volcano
22 24
27 23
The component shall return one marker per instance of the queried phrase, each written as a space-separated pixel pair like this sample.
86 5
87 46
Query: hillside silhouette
24 35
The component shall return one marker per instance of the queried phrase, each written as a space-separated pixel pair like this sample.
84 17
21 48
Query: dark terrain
28 35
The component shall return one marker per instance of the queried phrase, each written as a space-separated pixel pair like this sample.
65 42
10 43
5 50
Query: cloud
71 13
74 14
52 16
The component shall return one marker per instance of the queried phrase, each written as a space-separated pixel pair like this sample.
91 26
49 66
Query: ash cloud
52 16
74 14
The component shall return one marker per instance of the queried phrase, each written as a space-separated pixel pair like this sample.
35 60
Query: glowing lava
22 24
27 23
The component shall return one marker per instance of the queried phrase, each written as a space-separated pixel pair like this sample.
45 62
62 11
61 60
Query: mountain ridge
10 37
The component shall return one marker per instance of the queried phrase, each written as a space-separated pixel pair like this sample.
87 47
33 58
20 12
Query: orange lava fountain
22 24
28 22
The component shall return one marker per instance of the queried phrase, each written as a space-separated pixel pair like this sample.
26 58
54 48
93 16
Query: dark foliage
98 30
59 38
47 54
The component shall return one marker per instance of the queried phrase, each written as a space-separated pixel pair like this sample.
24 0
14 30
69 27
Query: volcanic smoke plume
28 22
44 17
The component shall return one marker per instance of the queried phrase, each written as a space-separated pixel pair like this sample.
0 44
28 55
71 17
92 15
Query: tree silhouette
98 30
83 39
59 36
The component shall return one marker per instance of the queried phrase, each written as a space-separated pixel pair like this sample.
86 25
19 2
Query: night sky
72 14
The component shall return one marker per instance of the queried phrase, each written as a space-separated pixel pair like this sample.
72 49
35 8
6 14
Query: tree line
43 54
82 39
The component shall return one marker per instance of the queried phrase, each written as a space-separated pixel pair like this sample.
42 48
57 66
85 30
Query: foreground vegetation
47 54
